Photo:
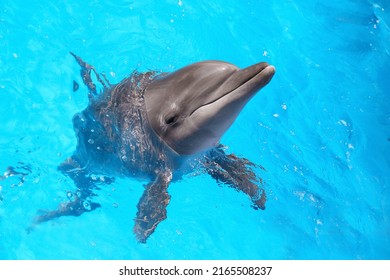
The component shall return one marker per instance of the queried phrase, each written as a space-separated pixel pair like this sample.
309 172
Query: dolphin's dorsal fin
85 73
152 207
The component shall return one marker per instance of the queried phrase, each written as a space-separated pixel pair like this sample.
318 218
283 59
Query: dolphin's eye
171 120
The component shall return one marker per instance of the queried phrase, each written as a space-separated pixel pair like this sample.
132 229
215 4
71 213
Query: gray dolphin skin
192 108
158 127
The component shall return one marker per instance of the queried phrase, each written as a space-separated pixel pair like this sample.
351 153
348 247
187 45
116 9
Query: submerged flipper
236 173
152 207
79 201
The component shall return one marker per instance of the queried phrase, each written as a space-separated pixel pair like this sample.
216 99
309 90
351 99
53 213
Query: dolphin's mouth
246 82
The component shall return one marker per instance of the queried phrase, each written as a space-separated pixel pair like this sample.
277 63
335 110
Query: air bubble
87 206
91 141
69 195
343 122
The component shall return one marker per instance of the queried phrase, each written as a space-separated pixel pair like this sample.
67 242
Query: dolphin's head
191 108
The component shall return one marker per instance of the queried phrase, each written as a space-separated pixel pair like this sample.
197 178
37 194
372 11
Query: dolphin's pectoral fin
237 173
76 207
79 201
152 207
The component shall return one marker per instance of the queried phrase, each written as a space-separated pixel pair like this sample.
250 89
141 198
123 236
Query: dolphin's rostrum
157 127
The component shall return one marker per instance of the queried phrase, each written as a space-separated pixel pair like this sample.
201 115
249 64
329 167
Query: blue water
321 128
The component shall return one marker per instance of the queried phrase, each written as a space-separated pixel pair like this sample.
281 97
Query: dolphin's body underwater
157 126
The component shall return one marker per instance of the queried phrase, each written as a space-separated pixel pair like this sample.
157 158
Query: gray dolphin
159 126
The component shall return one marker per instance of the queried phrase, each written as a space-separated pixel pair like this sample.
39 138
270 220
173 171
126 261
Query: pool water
321 128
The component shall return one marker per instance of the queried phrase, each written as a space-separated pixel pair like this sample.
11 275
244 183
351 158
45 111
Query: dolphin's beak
240 86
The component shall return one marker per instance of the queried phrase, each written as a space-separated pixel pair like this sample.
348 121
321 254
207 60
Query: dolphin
157 127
